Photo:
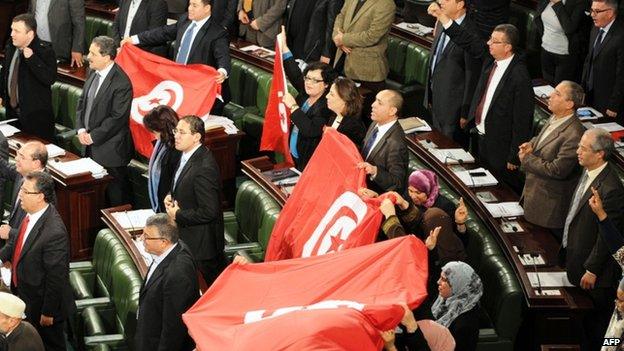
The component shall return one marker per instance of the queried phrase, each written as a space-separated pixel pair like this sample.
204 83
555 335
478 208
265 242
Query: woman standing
345 101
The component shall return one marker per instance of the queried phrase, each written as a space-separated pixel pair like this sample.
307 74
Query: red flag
275 131
325 213
188 89
345 298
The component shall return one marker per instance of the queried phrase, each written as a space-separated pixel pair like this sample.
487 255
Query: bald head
32 156
387 106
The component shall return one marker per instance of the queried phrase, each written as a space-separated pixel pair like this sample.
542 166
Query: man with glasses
39 256
502 106
170 288
549 161
194 203
31 157
603 72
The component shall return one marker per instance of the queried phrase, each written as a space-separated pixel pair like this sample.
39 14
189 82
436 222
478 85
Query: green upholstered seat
64 104
524 19
250 225
96 26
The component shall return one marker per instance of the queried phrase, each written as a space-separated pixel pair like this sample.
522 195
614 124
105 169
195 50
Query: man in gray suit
550 163
62 22
384 147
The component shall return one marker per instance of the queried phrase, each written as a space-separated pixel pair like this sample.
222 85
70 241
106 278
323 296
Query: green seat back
416 64
524 19
235 81
125 297
64 103
262 94
108 252
540 118
396 54
256 213
95 26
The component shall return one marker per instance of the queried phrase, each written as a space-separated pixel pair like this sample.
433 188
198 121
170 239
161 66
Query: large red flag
325 213
275 131
188 89
335 301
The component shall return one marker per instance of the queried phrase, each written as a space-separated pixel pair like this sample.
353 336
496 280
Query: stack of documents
543 91
609 127
452 156
504 209
78 167
549 279
587 113
133 219
212 121
54 151
475 178
8 130
413 125
415 28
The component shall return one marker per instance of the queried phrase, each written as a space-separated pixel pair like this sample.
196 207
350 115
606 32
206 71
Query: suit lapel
123 15
104 86
196 155
349 14
596 184
157 275
605 40
35 232
198 39
139 13
505 76
381 142
554 134
368 4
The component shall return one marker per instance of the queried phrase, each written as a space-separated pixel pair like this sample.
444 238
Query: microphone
132 229
509 224
449 157
539 283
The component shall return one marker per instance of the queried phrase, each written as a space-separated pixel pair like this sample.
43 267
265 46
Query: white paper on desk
211 121
588 113
5 273
543 91
425 127
504 209
469 178
8 121
415 28
609 127
54 151
79 166
549 279
452 156
8 130
133 219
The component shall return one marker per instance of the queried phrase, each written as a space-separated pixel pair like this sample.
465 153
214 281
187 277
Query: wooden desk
223 147
550 319
254 167
125 236
101 9
78 200
72 75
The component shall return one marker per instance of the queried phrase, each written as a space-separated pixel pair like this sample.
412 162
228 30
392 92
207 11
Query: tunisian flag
188 89
324 212
338 301
275 131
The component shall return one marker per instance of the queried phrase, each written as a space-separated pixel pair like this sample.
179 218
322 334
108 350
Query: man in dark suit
198 39
28 72
31 157
550 163
102 118
136 16
452 76
170 288
62 22
384 150
194 202
603 72
39 257
587 259
502 106
224 12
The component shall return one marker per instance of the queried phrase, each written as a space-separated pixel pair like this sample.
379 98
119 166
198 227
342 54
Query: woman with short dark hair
345 101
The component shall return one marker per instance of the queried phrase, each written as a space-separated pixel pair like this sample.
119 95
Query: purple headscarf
426 182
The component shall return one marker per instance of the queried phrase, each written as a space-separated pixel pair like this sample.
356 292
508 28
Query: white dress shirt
157 260
33 218
553 123
383 129
501 67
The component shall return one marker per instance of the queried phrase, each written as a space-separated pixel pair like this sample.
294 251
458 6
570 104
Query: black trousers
556 68
211 268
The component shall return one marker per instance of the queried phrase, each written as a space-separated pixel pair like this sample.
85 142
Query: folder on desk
475 178
452 156
8 130
549 279
414 124
133 220
504 209
54 151
79 167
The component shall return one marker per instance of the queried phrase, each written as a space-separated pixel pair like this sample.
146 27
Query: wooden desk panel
254 167
78 200
125 236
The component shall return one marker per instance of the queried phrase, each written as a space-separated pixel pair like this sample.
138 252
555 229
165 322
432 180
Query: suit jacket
552 172
150 14
224 12
586 248
313 37
108 123
200 217
353 127
571 16
210 47
168 165
451 85
608 70
390 156
35 78
268 14
24 338
66 19
366 33
509 117
43 269
171 290
9 172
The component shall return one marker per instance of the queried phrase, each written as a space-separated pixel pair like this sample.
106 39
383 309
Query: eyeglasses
181 132
144 237
313 80
593 12
23 190
492 41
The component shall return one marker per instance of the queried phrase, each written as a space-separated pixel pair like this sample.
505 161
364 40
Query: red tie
18 249
479 109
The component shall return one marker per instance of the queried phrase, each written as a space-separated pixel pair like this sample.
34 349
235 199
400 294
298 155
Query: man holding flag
198 39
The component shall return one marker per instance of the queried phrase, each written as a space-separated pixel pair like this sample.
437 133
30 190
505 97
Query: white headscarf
466 290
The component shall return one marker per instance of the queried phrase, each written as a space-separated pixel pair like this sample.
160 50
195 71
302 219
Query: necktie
573 207
439 50
247 5
13 85
370 142
17 252
595 50
479 109
179 170
90 97
185 48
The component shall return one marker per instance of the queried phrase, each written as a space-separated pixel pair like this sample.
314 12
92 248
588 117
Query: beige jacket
268 14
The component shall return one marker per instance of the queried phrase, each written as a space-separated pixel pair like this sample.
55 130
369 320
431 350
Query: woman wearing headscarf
457 305
615 243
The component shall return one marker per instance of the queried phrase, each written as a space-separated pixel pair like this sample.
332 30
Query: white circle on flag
167 92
